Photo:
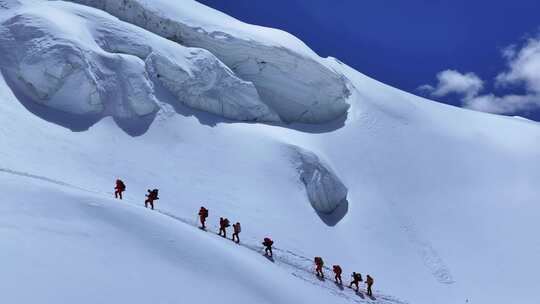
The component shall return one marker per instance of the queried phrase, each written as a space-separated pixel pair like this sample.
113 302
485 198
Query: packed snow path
299 266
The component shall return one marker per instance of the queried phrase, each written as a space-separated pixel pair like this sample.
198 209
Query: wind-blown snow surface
442 205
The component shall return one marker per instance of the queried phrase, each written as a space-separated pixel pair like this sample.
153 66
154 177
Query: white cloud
507 104
523 66
509 51
452 81
523 69
426 88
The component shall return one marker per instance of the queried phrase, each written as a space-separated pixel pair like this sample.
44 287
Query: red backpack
120 185
337 269
268 242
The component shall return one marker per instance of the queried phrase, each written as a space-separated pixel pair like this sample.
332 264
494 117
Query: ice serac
90 63
59 67
325 190
290 78
209 85
193 75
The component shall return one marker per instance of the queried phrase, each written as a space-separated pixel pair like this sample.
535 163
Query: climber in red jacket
337 272
223 224
319 263
356 279
267 243
151 197
237 229
203 214
119 188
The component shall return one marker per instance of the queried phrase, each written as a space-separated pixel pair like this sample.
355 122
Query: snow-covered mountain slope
67 245
442 203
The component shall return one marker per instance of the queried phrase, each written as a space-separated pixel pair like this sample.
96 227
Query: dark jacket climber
369 282
237 229
151 197
267 243
356 279
119 188
203 214
319 263
337 272
223 224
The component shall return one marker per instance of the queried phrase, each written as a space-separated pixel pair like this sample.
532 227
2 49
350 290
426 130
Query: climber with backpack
203 214
119 188
369 282
337 272
237 229
150 198
223 224
267 243
356 279
319 267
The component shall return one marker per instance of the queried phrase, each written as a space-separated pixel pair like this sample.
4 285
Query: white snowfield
441 203
283 69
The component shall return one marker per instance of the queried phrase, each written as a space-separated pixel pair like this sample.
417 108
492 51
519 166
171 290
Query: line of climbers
150 197
224 223
356 277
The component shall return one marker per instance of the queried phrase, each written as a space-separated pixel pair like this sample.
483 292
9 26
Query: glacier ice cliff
88 62
290 78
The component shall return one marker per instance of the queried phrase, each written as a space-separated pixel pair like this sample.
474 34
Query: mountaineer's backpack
237 228
268 242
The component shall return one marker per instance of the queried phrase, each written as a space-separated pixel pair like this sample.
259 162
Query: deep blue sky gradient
403 43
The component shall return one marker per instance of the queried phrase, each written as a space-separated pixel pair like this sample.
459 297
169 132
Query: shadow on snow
331 219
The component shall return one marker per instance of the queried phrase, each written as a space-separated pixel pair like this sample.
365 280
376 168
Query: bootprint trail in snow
429 255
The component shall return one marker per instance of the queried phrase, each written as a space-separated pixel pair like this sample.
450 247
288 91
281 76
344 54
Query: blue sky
458 52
